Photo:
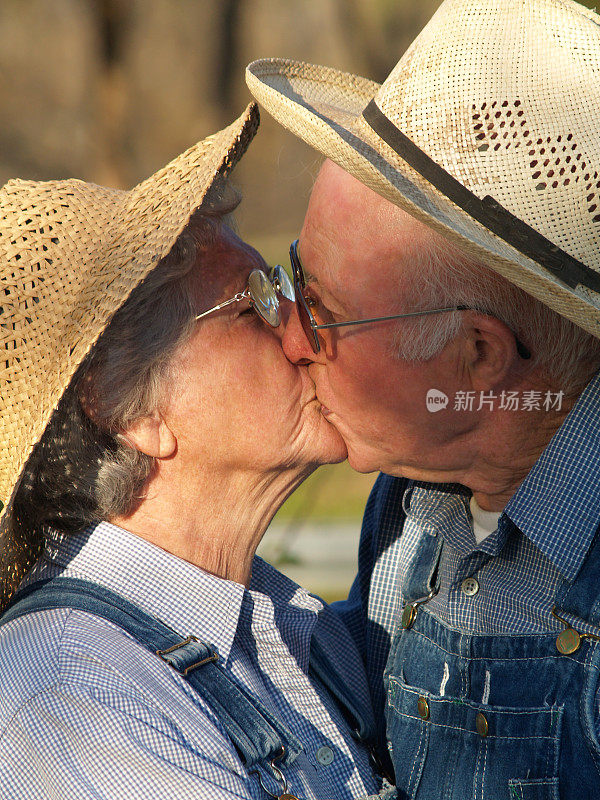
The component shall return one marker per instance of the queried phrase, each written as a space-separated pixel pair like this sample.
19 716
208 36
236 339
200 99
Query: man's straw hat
486 130
70 255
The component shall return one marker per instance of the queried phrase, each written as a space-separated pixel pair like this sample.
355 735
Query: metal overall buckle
409 612
279 776
569 639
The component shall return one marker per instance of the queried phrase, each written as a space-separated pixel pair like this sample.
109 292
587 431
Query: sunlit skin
239 431
360 253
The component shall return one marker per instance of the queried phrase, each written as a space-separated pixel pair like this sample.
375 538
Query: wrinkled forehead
352 236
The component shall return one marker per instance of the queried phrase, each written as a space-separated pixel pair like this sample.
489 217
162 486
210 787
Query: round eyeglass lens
264 297
282 282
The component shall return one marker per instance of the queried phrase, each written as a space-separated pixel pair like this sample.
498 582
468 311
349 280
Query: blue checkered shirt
543 536
87 712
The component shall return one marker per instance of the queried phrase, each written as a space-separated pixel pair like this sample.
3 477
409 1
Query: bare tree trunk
227 54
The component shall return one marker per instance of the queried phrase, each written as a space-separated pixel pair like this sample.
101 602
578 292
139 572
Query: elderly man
450 314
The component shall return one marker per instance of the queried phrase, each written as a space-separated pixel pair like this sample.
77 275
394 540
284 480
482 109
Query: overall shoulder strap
359 716
256 734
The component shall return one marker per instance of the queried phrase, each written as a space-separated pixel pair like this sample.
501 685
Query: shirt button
325 755
470 587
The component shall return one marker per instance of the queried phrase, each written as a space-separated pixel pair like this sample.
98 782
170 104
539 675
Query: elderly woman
152 427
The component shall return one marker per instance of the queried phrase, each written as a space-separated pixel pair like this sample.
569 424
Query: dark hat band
488 211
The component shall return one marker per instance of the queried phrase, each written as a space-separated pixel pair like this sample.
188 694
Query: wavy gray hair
567 355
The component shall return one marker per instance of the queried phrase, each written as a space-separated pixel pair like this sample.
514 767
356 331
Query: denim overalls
494 717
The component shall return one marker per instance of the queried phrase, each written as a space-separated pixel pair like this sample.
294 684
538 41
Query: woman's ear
151 435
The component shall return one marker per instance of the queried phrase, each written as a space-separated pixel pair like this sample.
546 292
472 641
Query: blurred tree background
110 90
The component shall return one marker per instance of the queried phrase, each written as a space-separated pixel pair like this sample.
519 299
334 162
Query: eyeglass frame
274 277
299 282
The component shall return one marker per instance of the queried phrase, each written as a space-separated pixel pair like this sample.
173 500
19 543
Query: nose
295 344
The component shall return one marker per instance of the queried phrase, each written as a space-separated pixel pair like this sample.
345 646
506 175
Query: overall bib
494 717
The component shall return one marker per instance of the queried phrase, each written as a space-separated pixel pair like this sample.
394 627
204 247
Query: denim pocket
452 748
408 740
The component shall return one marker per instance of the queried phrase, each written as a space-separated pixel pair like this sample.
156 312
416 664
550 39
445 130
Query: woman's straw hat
70 255
486 130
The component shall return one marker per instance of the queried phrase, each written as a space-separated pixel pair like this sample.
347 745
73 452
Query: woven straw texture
503 94
70 255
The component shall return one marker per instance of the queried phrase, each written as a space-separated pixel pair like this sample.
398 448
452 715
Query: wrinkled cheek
356 403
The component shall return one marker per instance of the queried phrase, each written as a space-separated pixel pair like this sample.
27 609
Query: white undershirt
484 522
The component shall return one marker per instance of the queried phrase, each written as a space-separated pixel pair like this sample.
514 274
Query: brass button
408 616
481 724
568 641
470 587
423 707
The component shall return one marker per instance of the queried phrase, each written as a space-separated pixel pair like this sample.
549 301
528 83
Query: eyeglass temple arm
392 316
522 350
245 295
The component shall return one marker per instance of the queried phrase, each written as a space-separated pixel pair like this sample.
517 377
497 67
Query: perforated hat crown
70 255
486 130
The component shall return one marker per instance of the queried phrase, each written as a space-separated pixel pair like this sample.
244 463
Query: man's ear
151 435
490 351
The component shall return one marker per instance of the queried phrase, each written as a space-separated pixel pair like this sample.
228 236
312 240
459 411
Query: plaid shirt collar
558 504
178 593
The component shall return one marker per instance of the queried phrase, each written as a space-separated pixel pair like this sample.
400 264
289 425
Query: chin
362 462
330 446
342 455
336 453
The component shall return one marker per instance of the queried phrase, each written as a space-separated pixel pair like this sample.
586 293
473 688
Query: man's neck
508 448
492 457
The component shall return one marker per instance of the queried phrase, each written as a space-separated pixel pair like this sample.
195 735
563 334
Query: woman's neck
213 521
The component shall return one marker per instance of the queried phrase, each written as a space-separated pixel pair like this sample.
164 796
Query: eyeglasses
262 292
310 325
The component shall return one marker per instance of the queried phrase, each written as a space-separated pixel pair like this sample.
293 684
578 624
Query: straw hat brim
324 107
127 232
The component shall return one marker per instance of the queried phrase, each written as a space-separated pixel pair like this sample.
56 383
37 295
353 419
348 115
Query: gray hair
83 468
566 355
